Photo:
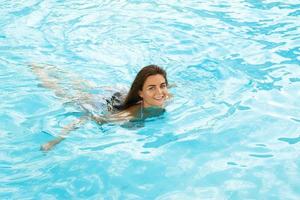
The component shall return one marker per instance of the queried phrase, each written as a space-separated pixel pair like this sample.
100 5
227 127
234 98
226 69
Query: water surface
232 130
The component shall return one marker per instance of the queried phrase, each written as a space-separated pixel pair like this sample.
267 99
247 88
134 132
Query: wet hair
133 96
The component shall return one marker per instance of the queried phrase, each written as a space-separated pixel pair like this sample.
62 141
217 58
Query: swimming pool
232 130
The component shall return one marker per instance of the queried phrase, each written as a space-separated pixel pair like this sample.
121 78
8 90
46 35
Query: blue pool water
232 130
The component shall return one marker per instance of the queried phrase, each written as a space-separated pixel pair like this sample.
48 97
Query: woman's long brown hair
133 97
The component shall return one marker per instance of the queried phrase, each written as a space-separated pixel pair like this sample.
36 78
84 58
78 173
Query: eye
163 86
151 88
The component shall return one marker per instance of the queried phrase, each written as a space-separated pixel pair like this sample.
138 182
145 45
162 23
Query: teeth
158 98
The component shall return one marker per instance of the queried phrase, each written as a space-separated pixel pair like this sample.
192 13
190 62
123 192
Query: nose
159 91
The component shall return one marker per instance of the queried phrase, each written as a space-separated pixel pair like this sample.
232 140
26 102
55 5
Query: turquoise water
232 130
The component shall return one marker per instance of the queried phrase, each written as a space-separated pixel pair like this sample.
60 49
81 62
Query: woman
145 98
149 89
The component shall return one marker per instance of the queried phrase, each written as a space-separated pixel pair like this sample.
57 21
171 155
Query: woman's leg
65 85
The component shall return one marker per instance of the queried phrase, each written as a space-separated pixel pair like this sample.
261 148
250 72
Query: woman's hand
65 131
49 145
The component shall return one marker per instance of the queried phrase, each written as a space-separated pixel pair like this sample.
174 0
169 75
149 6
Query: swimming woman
149 90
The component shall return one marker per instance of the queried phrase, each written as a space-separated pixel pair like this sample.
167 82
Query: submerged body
135 113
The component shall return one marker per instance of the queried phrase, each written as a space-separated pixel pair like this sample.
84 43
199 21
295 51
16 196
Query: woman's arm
121 116
65 131
118 117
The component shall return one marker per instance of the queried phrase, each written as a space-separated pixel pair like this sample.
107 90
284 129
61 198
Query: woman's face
154 91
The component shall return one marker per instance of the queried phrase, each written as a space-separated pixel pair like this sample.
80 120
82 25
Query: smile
160 98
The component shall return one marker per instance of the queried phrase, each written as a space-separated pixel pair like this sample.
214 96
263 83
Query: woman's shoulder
133 109
127 113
